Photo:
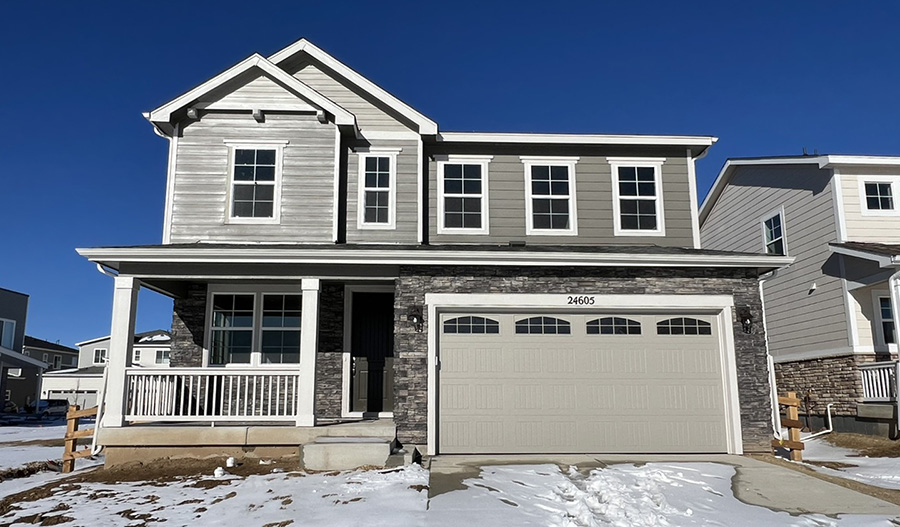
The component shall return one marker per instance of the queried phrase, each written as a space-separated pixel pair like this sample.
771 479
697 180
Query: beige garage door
576 383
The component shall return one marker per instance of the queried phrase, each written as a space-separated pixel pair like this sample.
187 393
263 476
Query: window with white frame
773 235
878 195
137 356
255 328
886 320
637 196
550 195
100 356
7 333
377 190
255 183
463 195
162 356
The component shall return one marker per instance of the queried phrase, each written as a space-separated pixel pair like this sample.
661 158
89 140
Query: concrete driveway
754 482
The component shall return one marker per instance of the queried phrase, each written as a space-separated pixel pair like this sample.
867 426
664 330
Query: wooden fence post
793 424
73 434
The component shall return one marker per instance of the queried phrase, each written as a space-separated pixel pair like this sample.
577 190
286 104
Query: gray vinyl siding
797 321
370 113
86 352
200 205
14 306
407 189
260 92
594 197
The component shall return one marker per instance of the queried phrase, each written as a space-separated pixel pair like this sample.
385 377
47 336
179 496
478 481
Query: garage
580 382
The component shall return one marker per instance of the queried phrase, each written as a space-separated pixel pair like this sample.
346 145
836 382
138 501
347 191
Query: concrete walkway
755 482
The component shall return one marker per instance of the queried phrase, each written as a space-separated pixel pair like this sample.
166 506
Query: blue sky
81 167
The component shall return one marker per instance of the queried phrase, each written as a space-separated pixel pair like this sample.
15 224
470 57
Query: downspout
822 432
101 396
770 362
894 287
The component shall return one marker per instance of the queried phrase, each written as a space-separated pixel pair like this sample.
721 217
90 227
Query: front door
372 353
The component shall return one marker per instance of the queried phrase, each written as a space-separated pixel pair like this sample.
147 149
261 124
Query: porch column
121 341
309 343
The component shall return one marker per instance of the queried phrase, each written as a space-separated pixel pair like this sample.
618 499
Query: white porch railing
211 394
879 380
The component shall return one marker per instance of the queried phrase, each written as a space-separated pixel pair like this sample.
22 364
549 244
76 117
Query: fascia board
833 160
882 260
585 139
14 355
426 125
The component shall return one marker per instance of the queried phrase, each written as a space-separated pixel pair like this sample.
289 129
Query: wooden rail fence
793 424
73 434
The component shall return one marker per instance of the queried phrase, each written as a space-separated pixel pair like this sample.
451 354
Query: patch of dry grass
866 445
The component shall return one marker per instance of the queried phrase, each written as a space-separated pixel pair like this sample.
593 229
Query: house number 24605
581 300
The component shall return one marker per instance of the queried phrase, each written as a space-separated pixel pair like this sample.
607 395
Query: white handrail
879 381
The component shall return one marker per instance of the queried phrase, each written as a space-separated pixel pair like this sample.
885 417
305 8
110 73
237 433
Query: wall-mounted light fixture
746 319
414 316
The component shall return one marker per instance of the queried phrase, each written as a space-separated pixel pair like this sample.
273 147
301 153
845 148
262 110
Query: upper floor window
773 235
162 356
100 356
463 195
637 196
57 362
137 356
377 190
254 328
877 194
255 185
7 333
550 195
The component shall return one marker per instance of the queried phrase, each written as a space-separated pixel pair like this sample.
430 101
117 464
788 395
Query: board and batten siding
200 206
798 321
370 114
407 194
868 228
594 198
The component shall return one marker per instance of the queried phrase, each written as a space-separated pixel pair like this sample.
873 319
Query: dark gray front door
372 353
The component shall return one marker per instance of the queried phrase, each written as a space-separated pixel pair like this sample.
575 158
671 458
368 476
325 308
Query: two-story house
82 383
20 375
333 257
831 315
57 356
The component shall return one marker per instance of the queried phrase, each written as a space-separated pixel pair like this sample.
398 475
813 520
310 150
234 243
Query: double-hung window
637 196
377 189
255 183
885 316
7 333
162 356
463 195
550 195
100 356
878 195
255 328
773 234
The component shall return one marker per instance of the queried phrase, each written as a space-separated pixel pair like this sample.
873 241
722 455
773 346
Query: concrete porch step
345 453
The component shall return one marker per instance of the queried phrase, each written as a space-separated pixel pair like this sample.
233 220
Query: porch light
414 316
746 319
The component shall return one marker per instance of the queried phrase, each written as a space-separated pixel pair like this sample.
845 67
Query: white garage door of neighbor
580 383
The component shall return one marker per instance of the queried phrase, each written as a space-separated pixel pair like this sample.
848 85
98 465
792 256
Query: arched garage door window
613 326
683 326
471 325
543 326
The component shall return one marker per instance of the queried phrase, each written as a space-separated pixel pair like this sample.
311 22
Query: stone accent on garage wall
411 347
188 327
331 346
826 380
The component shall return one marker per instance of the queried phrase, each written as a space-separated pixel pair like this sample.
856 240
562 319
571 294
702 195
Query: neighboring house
831 314
334 257
20 375
57 356
82 384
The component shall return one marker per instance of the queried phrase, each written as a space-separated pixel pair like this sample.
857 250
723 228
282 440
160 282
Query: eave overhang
885 256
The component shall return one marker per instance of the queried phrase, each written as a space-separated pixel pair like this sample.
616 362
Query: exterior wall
594 195
860 226
86 352
799 322
826 380
329 358
78 389
407 195
148 356
201 203
256 91
370 114
69 360
14 306
411 347
188 328
24 388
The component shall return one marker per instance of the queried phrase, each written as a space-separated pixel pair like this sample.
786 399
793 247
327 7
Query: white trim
483 162
250 143
762 226
859 160
569 162
391 135
309 340
796 356
336 199
894 183
837 197
170 184
882 260
347 352
330 256
695 204
637 162
362 155
103 356
879 344
849 303
377 150
420 195
436 303
582 139
426 125
233 146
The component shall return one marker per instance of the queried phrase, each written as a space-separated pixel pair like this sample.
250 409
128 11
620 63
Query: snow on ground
30 431
879 471
660 494
656 494
16 485
17 455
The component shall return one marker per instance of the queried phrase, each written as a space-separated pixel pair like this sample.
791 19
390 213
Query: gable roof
162 115
823 161
33 342
426 125
157 336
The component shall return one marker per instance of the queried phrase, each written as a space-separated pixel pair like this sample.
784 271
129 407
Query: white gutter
894 286
770 364
580 139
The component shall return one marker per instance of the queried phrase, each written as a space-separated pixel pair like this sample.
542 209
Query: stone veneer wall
411 347
331 346
827 380
188 328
